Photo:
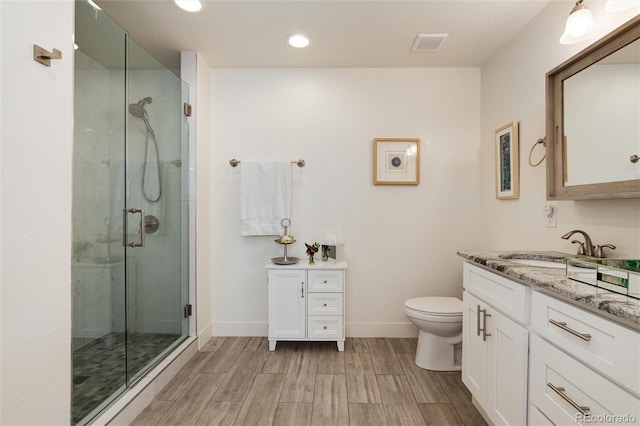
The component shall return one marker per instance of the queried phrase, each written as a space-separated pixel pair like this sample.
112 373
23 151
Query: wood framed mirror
593 120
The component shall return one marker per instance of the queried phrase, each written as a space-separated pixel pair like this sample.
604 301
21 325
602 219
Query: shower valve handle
142 230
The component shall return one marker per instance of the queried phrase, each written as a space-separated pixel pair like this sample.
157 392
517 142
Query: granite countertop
618 307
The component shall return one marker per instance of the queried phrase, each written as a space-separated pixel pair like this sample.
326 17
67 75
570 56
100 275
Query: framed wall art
396 161
507 162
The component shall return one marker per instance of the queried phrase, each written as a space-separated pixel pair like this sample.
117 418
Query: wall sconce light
579 22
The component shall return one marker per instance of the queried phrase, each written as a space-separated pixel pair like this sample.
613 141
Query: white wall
35 225
195 71
203 199
513 89
401 241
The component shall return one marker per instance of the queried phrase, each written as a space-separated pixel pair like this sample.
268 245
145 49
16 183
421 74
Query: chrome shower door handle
142 226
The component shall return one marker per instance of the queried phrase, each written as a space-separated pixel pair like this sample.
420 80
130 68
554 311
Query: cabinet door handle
325 305
584 410
325 281
563 325
484 329
302 289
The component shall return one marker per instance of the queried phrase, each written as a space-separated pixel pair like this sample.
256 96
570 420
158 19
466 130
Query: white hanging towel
265 196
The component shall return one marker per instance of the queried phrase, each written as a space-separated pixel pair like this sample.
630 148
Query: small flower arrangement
325 252
312 249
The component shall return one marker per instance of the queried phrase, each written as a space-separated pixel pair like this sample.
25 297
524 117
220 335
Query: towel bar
234 162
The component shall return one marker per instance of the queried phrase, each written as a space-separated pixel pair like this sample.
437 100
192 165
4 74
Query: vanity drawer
610 348
324 304
503 294
580 385
537 418
325 281
324 327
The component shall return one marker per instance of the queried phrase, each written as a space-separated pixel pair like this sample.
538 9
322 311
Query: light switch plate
549 216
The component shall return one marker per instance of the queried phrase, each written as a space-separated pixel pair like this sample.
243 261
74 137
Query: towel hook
43 56
544 143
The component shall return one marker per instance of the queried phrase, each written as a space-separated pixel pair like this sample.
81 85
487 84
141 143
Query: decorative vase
325 252
311 260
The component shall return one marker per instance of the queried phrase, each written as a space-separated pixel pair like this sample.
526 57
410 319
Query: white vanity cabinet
584 368
495 344
306 302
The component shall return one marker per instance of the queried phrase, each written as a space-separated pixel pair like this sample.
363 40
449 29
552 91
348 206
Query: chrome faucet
587 248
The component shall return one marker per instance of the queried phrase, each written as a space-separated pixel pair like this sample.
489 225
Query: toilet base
439 353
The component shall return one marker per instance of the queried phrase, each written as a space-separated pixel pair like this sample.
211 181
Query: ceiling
343 33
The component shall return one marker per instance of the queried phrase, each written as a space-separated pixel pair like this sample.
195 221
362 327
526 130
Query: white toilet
440 322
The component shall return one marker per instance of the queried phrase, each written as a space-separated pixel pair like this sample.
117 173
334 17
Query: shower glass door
130 156
155 202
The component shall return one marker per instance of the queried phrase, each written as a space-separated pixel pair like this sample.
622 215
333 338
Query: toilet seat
436 306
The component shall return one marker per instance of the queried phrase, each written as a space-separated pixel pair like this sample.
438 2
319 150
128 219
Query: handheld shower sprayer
139 111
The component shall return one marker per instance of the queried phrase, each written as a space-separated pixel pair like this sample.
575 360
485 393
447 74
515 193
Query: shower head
138 110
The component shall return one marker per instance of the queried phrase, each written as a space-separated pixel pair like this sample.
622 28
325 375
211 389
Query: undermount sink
539 263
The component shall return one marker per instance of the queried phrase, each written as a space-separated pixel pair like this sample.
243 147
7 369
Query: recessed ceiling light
189 5
298 40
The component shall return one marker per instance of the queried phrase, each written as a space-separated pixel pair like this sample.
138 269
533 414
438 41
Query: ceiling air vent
428 42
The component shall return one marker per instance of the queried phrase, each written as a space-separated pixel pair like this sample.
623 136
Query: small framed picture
507 162
396 161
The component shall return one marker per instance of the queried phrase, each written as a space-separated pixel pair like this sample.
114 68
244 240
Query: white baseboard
204 335
239 328
381 329
353 329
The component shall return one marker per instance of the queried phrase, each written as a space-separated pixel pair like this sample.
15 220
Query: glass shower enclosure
130 218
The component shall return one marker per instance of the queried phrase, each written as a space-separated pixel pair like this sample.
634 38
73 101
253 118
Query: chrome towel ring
544 143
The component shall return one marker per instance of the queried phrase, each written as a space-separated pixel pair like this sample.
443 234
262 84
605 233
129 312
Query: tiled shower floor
99 367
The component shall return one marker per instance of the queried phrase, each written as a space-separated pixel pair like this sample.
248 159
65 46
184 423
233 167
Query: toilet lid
436 305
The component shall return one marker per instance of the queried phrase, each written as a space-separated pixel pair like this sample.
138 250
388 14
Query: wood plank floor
236 381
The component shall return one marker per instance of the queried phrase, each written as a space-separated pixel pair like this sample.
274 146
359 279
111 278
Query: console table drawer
324 304
325 281
324 327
